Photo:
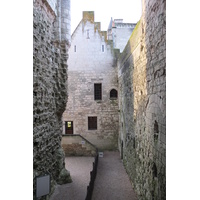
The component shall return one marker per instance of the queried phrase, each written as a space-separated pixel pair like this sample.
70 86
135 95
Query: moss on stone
135 29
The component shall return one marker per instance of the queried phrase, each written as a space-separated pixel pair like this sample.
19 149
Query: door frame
67 129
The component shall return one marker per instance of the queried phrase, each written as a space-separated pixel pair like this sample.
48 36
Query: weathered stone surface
142 103
64 177
49 94
75 145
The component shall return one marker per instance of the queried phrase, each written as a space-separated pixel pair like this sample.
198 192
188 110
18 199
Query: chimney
88 16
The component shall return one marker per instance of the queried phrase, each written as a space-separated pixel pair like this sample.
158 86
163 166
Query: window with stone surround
97 91
113 94
92 123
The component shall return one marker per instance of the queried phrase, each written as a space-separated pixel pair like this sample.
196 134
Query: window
102 48
97 91
113 94
92 123
88 34
156 131
74 48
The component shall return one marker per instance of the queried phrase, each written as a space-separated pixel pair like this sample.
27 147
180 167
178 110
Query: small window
102 48
92 123
88 34
156 131
74 48
97 91
113 94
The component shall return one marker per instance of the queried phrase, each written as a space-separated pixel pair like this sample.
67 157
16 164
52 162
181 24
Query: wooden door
69 127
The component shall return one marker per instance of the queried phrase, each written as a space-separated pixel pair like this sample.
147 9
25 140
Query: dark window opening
113 94
156 131
88 34
97 91
154 169
134 142
92 123
102 48
74 48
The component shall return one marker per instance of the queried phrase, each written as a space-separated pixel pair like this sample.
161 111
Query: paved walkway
112 181
79 168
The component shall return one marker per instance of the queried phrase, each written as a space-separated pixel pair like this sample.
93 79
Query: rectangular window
102 48
74 48
92 123
97 91
69 127
88 33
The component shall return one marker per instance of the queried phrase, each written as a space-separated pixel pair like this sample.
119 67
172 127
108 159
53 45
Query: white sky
128 10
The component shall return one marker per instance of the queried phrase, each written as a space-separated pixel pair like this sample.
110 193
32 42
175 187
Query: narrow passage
112 181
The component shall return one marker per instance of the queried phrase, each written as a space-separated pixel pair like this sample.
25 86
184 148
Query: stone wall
88 65
119 32
142 103
121 36
50 53
76 145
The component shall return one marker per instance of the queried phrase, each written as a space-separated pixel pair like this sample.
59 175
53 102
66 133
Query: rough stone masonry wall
49 90
76 145
142 86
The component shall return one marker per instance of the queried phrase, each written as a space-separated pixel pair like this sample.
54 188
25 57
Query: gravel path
112 181
79 168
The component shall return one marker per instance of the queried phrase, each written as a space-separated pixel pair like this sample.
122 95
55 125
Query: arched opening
113 94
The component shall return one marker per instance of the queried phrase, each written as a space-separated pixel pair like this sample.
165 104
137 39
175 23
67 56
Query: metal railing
93 173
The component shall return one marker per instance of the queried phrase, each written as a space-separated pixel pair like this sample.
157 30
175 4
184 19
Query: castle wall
142 103
50 47
88 65
121 35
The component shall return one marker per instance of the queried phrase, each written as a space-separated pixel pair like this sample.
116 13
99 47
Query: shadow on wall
142 81
155 42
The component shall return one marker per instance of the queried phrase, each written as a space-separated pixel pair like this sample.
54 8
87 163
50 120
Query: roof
110 24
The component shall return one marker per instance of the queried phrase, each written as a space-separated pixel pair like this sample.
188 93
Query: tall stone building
92 108
51 41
